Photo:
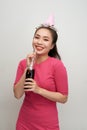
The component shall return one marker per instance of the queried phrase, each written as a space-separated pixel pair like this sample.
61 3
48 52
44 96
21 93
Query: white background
18 19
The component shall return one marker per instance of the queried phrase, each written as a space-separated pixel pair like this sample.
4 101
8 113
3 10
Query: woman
50 84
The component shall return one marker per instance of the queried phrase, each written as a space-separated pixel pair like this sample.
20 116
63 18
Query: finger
28 61
28 84
28 58
27 87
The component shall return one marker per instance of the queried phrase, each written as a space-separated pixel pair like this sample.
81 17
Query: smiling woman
49 86
42 41
50 34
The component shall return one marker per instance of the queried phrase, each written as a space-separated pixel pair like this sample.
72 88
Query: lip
39 47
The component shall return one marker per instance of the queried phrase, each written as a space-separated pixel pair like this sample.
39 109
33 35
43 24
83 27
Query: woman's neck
39 59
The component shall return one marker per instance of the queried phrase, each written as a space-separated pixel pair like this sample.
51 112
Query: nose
40 41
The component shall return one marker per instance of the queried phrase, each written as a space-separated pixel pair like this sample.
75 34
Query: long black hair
54 51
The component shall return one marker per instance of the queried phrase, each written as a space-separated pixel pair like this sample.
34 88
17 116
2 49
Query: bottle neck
31 64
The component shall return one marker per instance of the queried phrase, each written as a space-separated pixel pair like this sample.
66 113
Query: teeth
40 48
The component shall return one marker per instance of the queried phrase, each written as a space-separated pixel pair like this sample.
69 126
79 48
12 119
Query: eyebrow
43 36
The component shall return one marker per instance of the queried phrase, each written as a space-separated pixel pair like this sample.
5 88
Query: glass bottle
30 72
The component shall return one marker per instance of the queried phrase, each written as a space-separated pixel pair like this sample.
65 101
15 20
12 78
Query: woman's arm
53 96
19 87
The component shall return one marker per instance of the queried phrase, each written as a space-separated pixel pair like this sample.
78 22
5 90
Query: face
42 41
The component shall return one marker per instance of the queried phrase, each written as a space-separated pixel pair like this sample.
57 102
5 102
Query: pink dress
37 112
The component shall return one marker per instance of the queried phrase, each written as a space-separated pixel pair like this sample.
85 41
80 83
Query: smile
39 47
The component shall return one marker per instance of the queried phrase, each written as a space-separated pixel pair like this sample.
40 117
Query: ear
52 46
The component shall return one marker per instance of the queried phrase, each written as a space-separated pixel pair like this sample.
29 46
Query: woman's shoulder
57 64
55 61
22 63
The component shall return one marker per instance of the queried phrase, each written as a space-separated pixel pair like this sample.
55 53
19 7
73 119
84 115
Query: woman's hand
29 58
31 85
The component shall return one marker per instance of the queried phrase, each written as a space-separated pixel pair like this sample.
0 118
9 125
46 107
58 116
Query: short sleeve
61 78
20 71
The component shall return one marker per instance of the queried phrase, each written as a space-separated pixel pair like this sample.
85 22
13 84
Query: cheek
33 42
49 46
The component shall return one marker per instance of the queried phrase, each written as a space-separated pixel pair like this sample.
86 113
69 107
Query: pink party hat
50 21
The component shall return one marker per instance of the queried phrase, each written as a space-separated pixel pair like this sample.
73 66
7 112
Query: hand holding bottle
31 85
30 70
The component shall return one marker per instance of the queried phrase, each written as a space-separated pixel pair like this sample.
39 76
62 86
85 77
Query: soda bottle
30 72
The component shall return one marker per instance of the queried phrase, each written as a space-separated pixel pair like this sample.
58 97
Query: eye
46 39
36 37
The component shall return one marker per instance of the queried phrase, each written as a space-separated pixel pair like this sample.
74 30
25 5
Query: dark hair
54 51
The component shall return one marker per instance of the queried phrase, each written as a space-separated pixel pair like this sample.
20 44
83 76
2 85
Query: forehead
43 32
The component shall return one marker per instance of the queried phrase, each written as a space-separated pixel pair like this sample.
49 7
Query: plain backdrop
18 20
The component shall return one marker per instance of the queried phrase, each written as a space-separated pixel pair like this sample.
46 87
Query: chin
38 51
